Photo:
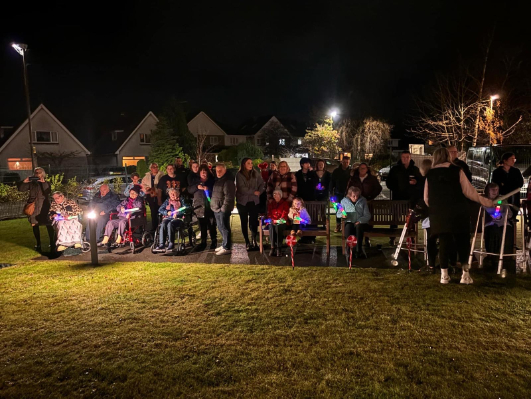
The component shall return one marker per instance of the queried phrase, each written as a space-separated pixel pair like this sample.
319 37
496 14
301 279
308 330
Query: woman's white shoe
445 278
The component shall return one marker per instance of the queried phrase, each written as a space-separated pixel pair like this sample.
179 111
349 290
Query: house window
19 163
45 137
214 139
129 161
258 141
234 140
299 141
145 138
282 141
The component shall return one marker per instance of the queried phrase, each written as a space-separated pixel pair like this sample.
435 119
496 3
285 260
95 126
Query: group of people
441 186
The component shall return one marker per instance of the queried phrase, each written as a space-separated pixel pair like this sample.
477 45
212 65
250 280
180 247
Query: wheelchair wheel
132 245
147 240
180 248
85 246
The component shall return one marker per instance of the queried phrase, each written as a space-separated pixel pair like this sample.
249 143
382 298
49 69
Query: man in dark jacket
456 161
182 173
405 182
103 203
306 181
222 204
338 184
404 179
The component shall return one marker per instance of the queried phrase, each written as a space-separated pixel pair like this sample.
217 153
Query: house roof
135 129
41 107
123 124
228 129
253 125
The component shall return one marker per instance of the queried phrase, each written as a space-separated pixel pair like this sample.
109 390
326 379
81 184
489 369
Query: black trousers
208 225
154 209
448 242
493 239
276 234
248 216
355 230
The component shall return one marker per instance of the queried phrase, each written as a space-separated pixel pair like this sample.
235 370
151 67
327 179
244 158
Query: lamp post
93 243
21 49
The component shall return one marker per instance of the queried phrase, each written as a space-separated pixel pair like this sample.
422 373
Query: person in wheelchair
130 208
64 214
172 213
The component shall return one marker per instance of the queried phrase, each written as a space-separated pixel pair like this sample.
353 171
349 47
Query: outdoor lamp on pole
21 49
492 98
333 114
93 244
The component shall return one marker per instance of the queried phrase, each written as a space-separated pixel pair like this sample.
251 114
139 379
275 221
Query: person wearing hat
277 212
306 181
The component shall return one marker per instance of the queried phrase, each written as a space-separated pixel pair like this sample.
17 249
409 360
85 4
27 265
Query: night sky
94 59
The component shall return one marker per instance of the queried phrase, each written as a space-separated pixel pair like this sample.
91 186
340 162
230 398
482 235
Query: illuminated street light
21 49
492 98
333 114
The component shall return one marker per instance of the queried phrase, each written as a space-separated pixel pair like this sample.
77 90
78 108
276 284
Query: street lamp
93 244
333 114
21 49
492 98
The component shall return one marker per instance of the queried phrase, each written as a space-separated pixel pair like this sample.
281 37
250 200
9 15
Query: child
134 201
277 211
494 229
356 219
171 221
297 211
136 182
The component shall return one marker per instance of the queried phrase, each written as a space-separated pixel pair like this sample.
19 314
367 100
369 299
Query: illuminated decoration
337 206
207 193
175 212
92 215
60 217
497 211
270 221
131 210
298 218
352 241
291 241
319 187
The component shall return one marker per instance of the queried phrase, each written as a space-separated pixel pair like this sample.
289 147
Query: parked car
92 188
384 172
484 160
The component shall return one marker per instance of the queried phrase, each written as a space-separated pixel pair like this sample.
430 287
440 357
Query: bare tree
367 136
203 147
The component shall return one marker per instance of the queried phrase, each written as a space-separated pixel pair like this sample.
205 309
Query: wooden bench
385 213
320 227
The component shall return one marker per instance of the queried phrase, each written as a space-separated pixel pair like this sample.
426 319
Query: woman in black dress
445 192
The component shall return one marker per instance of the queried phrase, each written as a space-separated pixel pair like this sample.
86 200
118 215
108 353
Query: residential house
203 125
124 141
56 148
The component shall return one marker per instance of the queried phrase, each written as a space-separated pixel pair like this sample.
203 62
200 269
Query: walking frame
411 247
482 253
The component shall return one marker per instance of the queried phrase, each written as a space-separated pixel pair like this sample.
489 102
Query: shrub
10 193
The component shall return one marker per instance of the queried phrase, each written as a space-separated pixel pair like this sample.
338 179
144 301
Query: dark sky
90 60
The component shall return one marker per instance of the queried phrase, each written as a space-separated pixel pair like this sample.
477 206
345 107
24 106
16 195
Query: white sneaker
445 277
466 279
218 249
223 251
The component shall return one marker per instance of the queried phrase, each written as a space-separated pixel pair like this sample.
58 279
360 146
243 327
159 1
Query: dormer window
46 137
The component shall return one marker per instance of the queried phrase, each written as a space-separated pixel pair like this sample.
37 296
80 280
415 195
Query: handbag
29 208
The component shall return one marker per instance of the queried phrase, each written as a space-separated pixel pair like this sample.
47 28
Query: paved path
305 255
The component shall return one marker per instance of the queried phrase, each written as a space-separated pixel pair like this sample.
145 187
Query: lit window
19 163
45 137
299 141
145 138
130 161
214 139
282 141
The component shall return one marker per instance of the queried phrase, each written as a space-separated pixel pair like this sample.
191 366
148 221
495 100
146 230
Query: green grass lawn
138 329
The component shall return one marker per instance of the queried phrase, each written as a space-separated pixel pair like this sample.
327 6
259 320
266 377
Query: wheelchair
181 234
137 235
